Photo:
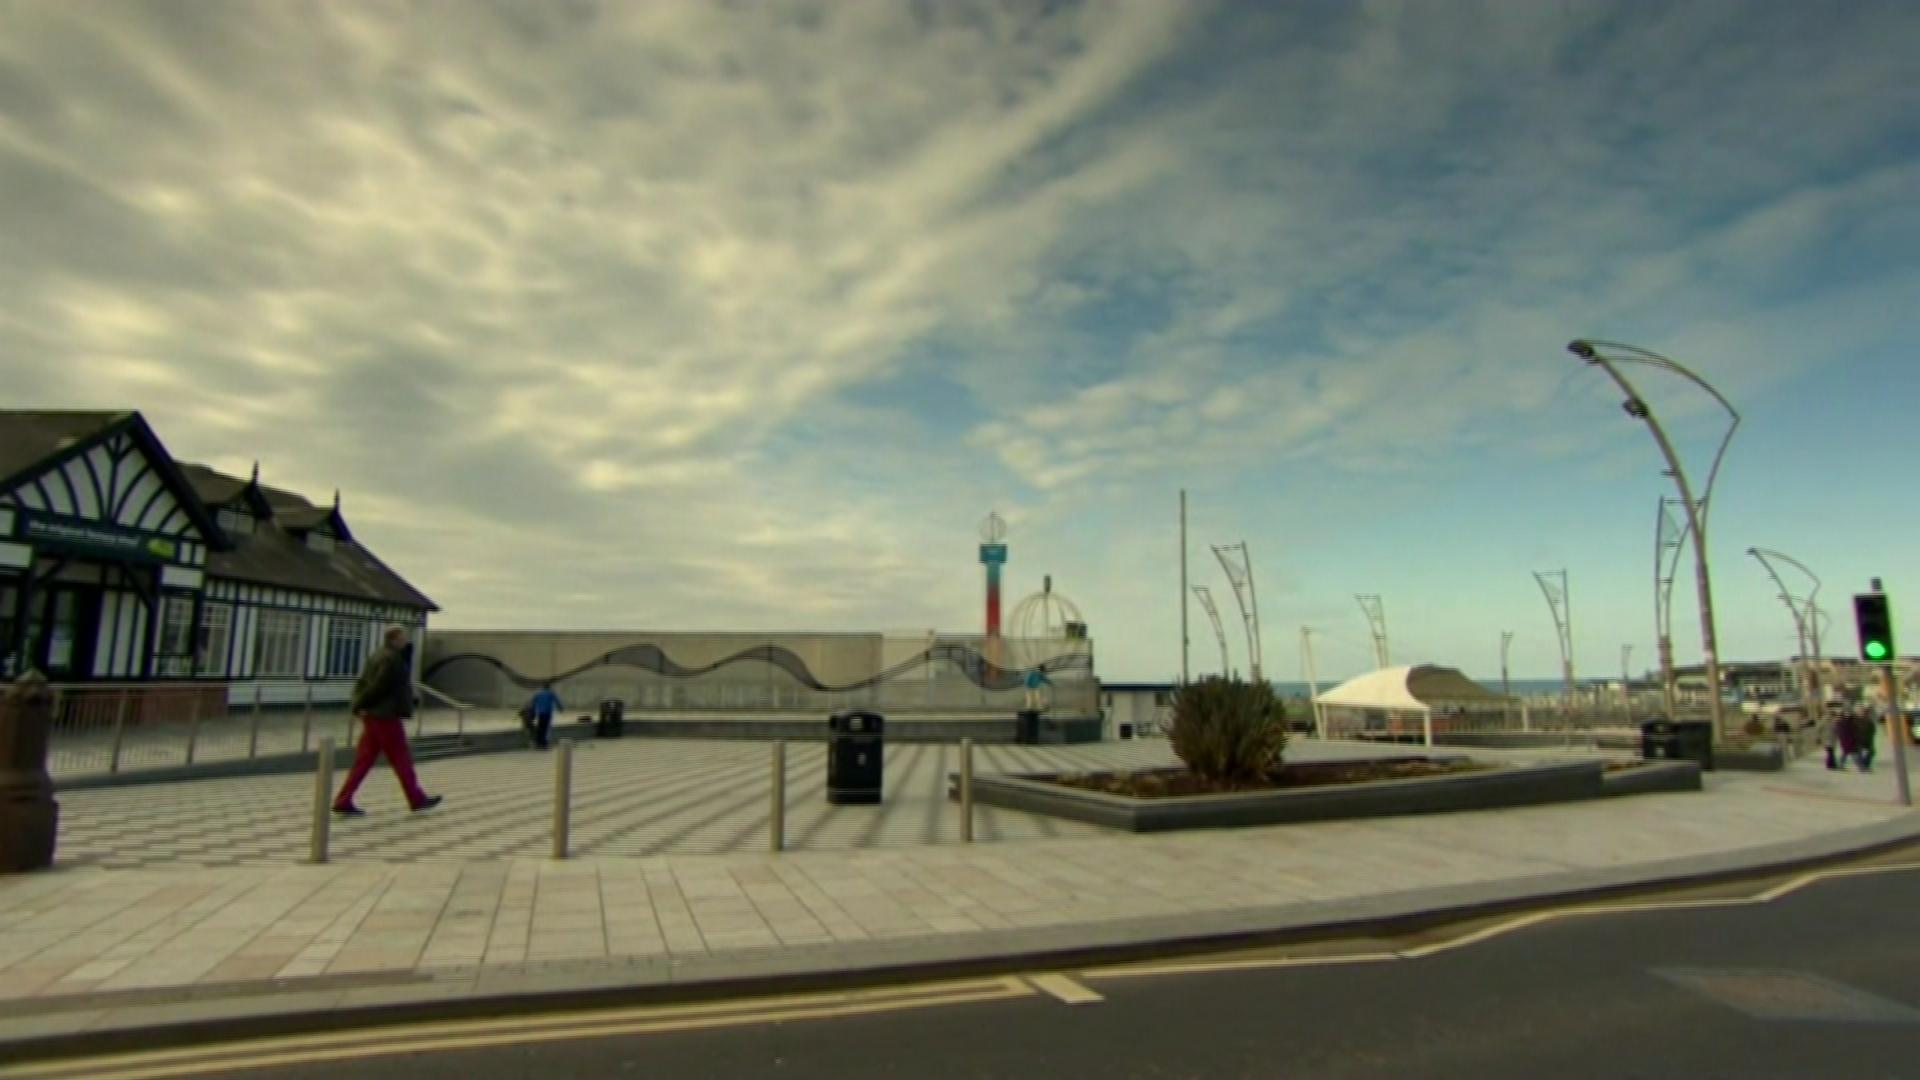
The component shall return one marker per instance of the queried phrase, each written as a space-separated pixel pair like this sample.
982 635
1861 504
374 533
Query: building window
173 639
279 644
346 647
216 635
9 662
236 521
320 542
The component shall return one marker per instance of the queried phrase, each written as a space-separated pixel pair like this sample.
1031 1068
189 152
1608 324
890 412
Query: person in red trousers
383 700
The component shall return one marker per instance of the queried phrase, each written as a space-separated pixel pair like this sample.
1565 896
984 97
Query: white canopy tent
1415 688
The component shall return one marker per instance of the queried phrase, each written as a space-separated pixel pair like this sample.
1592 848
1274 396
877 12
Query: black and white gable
102 485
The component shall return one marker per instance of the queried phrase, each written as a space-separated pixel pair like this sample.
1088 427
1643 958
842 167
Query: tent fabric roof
1414 688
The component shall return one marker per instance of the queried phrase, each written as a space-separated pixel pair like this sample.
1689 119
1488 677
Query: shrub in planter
1228 732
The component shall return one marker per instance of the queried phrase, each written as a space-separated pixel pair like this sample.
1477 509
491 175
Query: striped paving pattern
631 797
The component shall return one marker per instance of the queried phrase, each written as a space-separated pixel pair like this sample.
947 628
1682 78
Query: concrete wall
501 668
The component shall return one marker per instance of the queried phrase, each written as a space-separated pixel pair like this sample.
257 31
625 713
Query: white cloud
613 314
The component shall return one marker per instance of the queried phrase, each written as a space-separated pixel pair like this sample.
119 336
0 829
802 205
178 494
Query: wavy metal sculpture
972 664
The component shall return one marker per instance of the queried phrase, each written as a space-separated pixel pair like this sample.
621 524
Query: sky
680 316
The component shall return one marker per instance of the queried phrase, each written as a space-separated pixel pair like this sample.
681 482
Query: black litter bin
613 719
1681 740
1126 731
856 757
1026 729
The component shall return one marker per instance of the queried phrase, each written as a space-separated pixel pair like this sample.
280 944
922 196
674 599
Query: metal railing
113 728
561 828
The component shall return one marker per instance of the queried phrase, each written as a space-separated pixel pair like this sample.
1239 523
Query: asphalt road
1824 982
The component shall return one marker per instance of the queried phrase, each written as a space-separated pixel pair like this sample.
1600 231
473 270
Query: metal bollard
193 730
777 829
562 796
119 730
253 726
460 722
306 719
966 791
322 803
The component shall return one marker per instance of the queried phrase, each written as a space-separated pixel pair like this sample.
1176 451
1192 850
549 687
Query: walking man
544 704
383 700
1864 736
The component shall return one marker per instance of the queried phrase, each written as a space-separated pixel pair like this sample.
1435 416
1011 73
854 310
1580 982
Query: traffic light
1875 622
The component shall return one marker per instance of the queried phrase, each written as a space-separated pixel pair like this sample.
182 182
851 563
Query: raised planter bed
1479 789
1648 777
1753 757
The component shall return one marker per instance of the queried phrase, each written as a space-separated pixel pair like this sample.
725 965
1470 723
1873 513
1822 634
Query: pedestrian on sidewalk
1846 734
544 704
383 700
1865 735
1826 736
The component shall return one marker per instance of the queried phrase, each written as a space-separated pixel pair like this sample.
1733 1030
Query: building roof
33 442
28 438
275 554
214 489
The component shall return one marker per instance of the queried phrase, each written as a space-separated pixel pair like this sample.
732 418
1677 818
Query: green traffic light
1876 650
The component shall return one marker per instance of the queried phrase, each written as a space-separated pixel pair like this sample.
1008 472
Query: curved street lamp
1806 618
1592 352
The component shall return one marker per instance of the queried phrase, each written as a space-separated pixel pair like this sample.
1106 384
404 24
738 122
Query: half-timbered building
119 564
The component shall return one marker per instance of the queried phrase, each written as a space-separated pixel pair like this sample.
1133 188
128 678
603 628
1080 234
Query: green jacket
385 686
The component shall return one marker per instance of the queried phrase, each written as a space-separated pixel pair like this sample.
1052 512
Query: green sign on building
57 532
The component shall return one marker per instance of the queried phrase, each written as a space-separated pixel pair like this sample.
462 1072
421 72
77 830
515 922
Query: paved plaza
460 903
631 797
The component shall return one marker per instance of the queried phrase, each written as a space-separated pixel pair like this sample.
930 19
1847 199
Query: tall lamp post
1560 603
1596 352
1626 683
1806 621
1669 541
1238 565
1506 686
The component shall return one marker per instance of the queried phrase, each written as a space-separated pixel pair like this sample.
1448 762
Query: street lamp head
1581 348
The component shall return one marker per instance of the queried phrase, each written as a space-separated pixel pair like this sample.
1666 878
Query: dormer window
321 542
234 521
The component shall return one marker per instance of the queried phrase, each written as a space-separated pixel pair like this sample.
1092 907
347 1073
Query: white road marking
1063 988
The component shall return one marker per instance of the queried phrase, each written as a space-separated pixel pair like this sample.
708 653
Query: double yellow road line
480 1034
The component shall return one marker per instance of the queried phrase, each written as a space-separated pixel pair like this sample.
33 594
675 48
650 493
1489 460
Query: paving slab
90 950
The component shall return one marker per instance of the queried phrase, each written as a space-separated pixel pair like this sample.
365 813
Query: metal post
562 796
1669 683
119 730
306 719
193 729
966 791
1897 723
1506 685
460 721
1626 683
1313 684
777 811
1667 537
322 802
1186 648
253 726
